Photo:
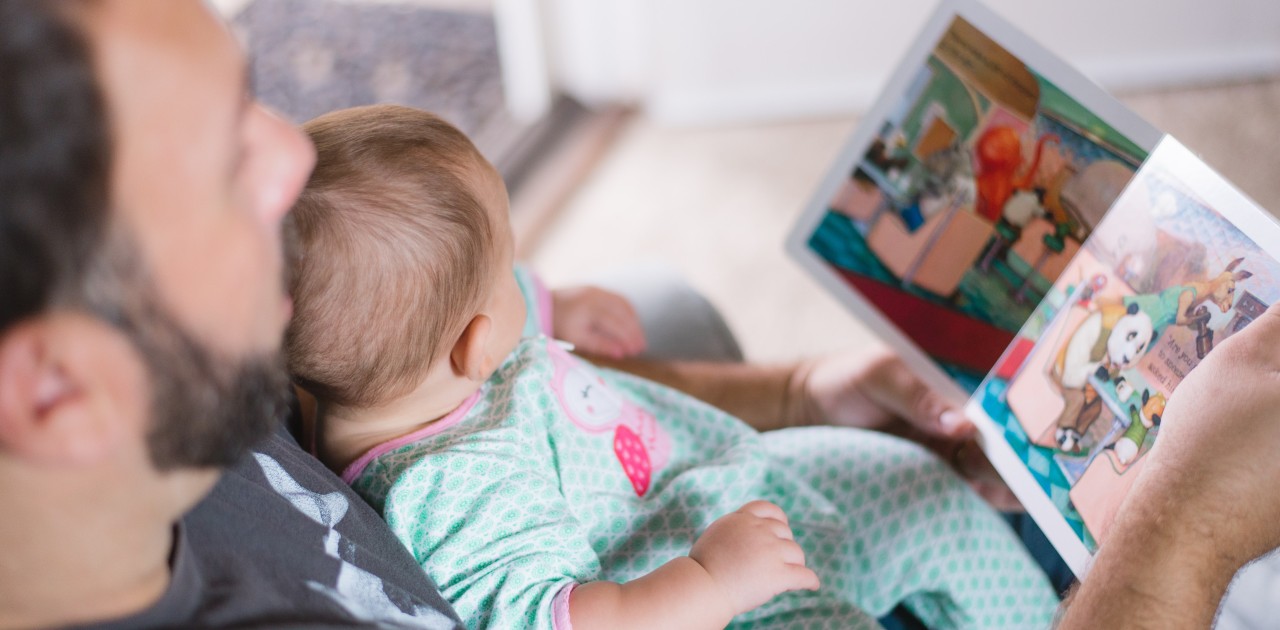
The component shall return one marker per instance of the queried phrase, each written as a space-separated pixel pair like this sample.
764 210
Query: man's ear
469 358
60 403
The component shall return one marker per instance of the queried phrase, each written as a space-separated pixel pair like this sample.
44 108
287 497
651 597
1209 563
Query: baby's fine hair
391 250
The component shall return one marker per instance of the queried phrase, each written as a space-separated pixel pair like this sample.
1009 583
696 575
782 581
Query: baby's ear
469 358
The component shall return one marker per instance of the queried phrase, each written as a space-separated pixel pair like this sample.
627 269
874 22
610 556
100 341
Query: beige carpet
716 204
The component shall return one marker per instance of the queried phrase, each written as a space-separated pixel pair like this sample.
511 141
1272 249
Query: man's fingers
626 333
619 323
972 464
598 321
610 344
953 424
624 324
998 496
907 396
935 415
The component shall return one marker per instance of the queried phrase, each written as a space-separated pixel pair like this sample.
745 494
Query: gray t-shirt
281 542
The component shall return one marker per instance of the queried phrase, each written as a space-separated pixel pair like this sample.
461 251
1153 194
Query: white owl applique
642 447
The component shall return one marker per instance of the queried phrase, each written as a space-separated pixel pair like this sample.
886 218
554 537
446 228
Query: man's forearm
766 397
1152 571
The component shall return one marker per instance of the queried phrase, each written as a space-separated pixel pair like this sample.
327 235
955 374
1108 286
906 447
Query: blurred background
692 132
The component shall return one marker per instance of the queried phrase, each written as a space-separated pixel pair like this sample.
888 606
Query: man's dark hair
55 155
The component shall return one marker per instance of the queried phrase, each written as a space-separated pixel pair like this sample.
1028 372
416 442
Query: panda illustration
1110 339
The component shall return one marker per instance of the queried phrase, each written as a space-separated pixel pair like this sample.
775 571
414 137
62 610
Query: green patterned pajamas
908 531
558 473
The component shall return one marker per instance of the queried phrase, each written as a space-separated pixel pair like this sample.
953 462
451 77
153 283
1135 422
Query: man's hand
1216 451
596 321
753 556
881 393
1205 502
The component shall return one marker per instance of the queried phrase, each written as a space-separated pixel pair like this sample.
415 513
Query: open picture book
1039 255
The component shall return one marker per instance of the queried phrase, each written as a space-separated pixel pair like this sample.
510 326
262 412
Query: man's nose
287 164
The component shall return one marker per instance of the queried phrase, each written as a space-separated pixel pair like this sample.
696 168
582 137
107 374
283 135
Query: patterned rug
314 56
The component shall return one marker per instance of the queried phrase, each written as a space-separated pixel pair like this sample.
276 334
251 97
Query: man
141 194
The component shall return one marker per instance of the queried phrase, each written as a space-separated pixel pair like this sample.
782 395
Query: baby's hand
753 556
596 321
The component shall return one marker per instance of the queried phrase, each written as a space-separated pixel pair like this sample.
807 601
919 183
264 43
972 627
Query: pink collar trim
350 473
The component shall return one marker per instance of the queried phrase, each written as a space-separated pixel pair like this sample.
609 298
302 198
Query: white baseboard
845 96
781 101
1183 68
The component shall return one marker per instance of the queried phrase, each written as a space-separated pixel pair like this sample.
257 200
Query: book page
1180 263
965 192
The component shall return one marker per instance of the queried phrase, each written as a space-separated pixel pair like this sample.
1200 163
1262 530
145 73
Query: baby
539 491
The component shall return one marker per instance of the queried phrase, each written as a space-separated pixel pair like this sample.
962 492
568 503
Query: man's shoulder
280 537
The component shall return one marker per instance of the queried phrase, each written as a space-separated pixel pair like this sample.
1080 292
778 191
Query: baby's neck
345 433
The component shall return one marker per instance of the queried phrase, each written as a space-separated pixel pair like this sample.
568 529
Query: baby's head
401 261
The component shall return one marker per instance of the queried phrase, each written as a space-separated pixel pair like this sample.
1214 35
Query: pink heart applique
634 458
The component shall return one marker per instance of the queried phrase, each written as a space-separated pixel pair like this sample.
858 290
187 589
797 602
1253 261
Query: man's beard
206 410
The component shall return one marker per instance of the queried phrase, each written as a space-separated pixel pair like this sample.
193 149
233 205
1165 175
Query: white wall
707 61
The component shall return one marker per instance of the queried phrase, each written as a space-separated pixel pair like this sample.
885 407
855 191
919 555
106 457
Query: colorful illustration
1080 394
971 198
1026 243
